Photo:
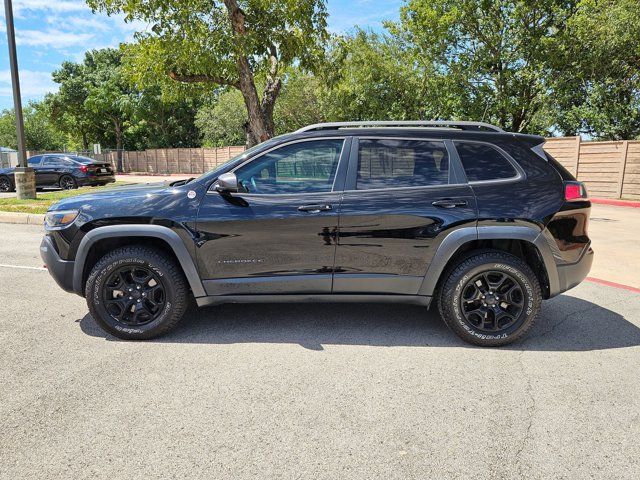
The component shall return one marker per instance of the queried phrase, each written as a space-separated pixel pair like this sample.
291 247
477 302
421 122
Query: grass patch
47 198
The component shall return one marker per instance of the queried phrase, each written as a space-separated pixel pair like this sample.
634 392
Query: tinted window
483 162
296 168
79 159
401 163
50 161
34 161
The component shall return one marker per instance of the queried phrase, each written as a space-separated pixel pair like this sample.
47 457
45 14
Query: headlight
59 219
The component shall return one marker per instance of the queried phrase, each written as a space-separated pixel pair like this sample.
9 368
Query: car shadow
565 324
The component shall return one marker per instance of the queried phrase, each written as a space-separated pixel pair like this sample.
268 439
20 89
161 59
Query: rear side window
50 161
483 162
389 163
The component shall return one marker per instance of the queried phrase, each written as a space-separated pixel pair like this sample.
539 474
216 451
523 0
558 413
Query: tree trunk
118 131
259 125
85 141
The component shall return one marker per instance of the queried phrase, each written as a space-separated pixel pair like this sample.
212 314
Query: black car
480 220
63 171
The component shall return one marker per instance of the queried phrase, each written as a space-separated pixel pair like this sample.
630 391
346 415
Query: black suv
63 171
481 220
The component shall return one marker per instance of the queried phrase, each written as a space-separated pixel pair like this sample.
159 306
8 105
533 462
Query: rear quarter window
483 162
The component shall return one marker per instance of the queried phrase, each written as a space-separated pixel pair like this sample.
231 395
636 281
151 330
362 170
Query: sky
49 32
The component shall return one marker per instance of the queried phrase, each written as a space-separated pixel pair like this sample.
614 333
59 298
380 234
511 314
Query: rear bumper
60 270
88 181
571 275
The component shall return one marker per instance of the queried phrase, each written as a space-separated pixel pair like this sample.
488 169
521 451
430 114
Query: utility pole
24 175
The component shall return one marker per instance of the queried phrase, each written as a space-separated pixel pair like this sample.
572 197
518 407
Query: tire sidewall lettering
454 299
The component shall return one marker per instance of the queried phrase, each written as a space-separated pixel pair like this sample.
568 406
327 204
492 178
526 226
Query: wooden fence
175 160
609 169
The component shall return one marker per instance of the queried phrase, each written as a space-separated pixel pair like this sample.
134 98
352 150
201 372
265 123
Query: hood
119 199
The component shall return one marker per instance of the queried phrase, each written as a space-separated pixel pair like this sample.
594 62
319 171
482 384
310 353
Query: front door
278 234
402 197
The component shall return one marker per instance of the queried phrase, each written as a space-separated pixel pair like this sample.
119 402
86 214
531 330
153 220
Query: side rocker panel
155 231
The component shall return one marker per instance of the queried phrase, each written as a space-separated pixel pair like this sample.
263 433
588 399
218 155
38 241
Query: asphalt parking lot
315 391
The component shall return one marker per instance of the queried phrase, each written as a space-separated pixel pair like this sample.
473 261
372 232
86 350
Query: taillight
575 191
84 168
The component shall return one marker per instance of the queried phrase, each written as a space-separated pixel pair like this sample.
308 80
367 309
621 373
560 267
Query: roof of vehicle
418 132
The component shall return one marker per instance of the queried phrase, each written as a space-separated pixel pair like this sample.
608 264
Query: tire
67 182
505 313
5 184
121 309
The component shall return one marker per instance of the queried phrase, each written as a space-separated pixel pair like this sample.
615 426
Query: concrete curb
24 218
617 203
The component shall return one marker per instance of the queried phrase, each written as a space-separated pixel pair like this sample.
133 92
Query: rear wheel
490 298
136 293
5 184
67 182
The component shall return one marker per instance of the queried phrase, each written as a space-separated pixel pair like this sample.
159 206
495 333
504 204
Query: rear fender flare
453 241
155 231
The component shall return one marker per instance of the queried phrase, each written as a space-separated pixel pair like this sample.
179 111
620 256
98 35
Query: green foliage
492 60
39 132
371 77
221 123
226 43
597 87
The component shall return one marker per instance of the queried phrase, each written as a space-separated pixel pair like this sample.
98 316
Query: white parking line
23 267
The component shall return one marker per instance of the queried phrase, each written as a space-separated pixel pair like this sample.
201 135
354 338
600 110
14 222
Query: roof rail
403 123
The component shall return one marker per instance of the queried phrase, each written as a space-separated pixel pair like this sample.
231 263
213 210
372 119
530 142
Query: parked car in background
63 171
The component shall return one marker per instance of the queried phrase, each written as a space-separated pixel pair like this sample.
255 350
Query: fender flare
155 231
454 240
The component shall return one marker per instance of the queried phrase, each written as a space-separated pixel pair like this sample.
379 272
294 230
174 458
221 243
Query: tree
164 122
373 77
496 57
39 132
67 105
597 87
230 43
222 122
110 96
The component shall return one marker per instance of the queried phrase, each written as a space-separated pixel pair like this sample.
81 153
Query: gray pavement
312 391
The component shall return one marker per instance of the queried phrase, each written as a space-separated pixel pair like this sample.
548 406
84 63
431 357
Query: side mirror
227 183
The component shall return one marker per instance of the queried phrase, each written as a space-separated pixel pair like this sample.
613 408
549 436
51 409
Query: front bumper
60 270
571 275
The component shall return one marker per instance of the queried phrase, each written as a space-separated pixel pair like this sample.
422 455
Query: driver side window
302 167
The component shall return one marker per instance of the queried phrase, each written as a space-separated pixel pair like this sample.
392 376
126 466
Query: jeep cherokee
479 219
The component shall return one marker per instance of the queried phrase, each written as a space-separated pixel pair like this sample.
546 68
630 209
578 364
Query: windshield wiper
177 183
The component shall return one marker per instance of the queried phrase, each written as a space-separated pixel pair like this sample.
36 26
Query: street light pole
24 175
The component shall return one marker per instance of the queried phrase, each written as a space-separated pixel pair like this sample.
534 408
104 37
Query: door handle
314 208
449 203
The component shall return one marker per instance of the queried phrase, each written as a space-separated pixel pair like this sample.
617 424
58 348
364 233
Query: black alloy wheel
133 295
136 292
492 301
490 298
5 184
67 182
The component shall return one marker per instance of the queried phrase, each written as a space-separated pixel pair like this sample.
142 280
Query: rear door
401 198
49 170
278 234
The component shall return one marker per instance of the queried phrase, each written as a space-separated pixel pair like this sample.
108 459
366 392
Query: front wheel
136 293
490 299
